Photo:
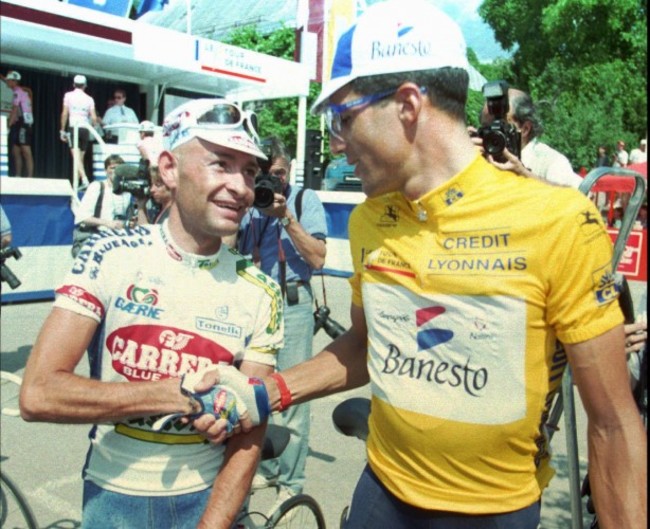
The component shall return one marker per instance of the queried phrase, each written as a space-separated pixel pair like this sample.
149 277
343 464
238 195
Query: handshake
233 397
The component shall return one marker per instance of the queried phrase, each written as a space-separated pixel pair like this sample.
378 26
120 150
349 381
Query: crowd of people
613 204
446 236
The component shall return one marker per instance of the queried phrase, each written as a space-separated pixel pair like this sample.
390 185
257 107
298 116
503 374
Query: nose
337 145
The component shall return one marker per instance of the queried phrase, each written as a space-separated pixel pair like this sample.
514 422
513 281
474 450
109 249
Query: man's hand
278 208
512 163
251 401
636 335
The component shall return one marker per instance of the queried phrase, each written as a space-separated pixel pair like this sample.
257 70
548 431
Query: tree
278 117
583 62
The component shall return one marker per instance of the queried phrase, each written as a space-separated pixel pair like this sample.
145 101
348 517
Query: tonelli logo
144 296
430 337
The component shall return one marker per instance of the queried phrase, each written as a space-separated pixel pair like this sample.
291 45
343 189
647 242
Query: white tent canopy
57 36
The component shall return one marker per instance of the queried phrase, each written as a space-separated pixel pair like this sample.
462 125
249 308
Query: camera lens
494 143
263 197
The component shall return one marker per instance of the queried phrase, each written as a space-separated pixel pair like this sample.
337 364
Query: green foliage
277 117
583 62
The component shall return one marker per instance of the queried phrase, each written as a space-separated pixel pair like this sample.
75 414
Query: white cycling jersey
162 313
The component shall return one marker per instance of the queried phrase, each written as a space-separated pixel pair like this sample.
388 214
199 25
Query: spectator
5 229
161 197
620 157
119 112
78 111
639 154
455 305
21 121
101 208
287 242
617 220
149 146
540 159
602 160
143 302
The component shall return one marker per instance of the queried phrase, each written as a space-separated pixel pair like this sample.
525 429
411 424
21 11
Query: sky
478 35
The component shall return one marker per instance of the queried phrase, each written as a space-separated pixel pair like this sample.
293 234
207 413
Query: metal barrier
565 403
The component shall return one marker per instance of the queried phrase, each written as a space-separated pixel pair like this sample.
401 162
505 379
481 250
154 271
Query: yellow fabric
464 293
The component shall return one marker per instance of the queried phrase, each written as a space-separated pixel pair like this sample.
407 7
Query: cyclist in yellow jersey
464 278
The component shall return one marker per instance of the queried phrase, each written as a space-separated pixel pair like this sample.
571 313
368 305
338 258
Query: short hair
523 110
446 87
113 159
274 148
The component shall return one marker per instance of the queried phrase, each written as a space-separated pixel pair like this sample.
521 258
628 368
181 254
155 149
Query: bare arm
64 118
234 479
616 437
311 249
51 391
13 116
93 117
340 366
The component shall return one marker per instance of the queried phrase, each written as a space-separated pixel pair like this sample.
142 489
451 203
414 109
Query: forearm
234 480
64 397
311 249
618 474
51 391
96 221
339 367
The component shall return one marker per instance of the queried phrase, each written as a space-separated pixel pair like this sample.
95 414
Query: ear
526 129
168 168
410 100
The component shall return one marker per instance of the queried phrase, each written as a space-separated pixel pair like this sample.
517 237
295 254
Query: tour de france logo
429 338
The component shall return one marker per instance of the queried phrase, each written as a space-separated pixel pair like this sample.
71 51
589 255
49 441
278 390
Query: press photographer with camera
512 113
285 234
107 205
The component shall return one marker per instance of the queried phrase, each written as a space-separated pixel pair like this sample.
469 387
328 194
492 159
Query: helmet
147 126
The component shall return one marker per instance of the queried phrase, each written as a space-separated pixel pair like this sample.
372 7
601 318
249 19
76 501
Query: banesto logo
429 338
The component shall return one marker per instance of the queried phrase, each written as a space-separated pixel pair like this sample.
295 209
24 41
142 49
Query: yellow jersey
465 293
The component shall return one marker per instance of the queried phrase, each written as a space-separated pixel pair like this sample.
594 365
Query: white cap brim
236 139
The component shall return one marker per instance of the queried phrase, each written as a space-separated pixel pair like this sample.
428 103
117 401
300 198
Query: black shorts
20 134
84 138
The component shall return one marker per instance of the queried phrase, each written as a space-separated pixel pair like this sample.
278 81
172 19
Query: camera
500 134
132 179
266 185
5 273
322 320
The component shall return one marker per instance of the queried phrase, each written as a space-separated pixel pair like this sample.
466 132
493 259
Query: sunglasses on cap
229 115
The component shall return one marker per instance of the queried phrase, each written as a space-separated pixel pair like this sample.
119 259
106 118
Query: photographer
101 207
286 240
537 158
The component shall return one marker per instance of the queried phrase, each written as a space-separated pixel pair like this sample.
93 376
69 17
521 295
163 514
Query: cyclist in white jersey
151 305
